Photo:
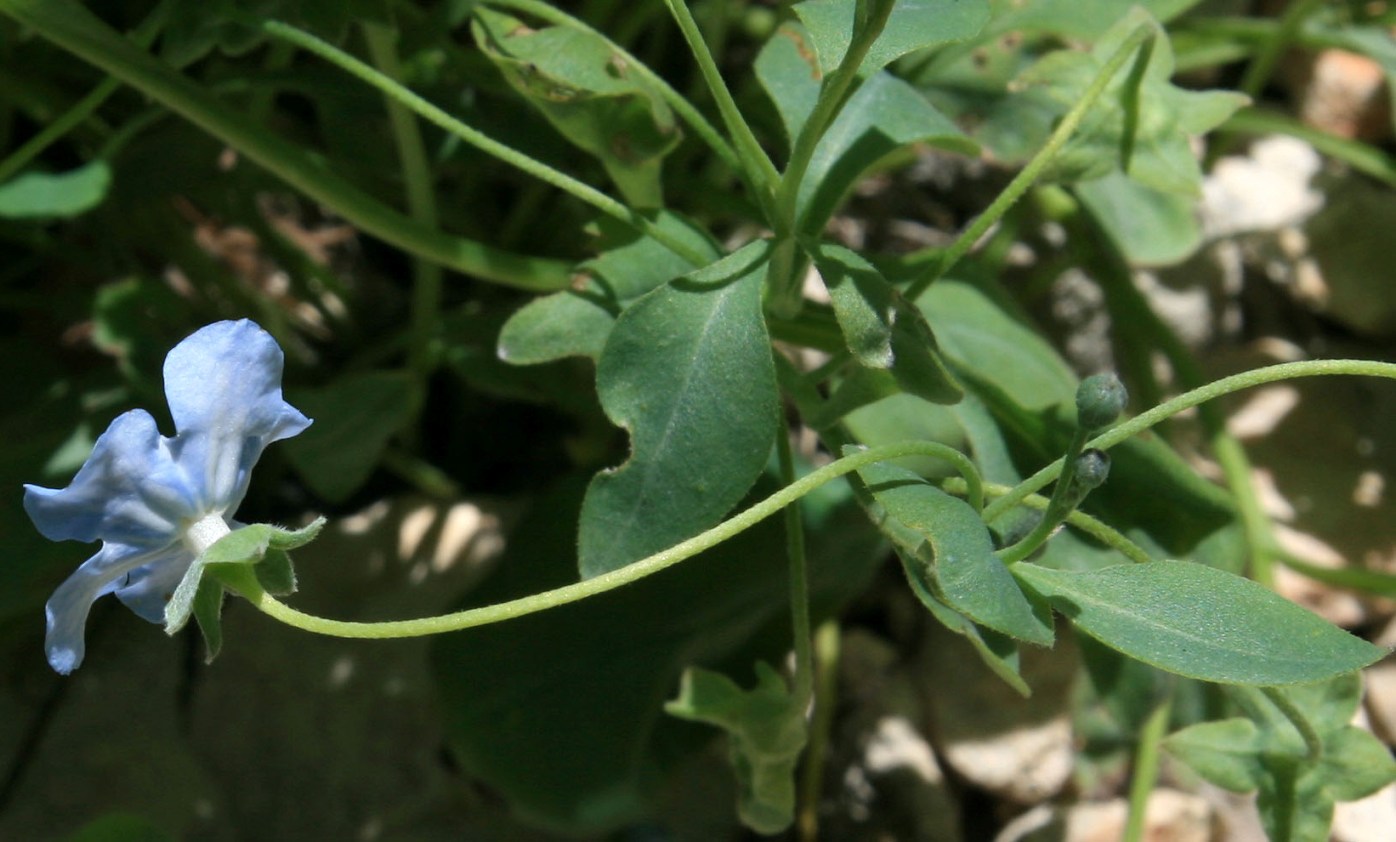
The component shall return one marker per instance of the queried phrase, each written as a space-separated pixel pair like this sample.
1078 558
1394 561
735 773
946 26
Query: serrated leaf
355 418
962 567
576 322
687 370
38 195
767 731
881 328
1200 622
912 25
588 92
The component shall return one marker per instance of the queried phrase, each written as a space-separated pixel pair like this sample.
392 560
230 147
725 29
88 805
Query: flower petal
130 490
224 388
68 608
146 589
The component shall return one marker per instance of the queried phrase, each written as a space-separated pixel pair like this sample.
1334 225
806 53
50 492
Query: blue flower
156 503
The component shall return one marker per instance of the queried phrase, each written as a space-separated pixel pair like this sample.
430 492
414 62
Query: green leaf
1226 753
1151 227
687 370
588 92
37 195
119 827
576 322
208 613
789 73
767 729
882 116
355 418
1265 752
561 712
1144 124
999 652
245 545
276 574
882 329
961 566
1200 622
1077 19
913 25
981 336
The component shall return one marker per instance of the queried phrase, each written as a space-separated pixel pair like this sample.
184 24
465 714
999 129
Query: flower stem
577 591
1187 400
1146 767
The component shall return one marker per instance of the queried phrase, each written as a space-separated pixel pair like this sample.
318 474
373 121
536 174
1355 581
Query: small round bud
1092 469
1099 401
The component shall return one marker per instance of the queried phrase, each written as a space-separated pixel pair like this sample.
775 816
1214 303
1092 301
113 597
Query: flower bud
1099 401
1092 469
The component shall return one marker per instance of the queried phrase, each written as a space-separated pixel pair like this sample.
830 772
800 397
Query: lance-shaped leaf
687 370
577 321
767 730
956 559
882 329
1200 622
912 25
590 95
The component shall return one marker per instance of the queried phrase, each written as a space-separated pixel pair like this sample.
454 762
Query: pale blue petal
224 388
146 589
67 609
130 490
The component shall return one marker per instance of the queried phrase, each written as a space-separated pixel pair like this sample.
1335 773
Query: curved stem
248 587
1312 742
682 107
1092 526
1187 400
941 262
481 141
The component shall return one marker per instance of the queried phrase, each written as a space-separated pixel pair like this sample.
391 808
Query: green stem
1146 768
761 174
75 29
1362 157
799 578
682 107
1057 509
421 201
942 262
1188 400
598 584
784 273
1092 526
1263 65
483 142
826 656
143 35
1296 717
